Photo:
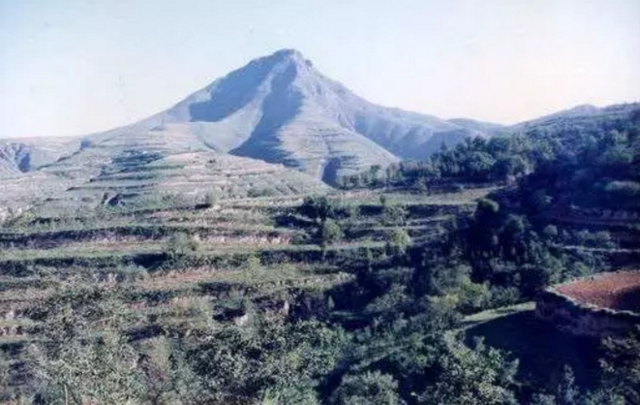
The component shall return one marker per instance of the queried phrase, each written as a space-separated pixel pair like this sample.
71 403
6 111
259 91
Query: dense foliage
601 152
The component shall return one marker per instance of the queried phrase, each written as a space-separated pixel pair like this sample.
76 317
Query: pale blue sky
71 67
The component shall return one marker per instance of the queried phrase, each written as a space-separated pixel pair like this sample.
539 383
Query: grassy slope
169 293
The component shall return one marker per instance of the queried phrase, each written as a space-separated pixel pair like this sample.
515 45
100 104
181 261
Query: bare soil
620 291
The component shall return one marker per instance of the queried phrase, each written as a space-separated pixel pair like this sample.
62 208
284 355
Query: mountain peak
289 54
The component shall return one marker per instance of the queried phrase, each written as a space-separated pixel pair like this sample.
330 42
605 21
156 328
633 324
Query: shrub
393 215
255 192
330 232
181 244
398 240
210 200
317 208
550 231
478 376
368 388
488 205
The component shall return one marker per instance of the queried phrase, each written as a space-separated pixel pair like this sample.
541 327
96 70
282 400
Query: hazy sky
71 67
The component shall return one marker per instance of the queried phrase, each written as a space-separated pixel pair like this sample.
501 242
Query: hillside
216 278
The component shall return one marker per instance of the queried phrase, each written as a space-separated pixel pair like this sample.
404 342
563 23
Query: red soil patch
619 290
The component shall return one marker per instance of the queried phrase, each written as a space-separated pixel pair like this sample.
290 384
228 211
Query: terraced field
618 291
147 179
243 251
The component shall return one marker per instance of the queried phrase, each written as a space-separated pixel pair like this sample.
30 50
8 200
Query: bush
473 296
330 232
317 208
393 215
478 376
181 244
503 296
369 388
255 192
397 241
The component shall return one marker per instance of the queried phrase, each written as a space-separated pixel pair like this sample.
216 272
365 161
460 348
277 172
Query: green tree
273 361
479 376
621 365
317 208
398 240
393 215
330 232
5 375
567 392
370 388
373 175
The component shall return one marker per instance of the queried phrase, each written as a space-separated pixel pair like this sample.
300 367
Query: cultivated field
619 290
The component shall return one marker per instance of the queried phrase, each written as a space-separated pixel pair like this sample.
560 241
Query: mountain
277 109
280 109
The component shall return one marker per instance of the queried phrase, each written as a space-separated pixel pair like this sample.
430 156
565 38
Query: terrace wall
583 319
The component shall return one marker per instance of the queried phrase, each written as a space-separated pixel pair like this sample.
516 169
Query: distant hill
583 116
22 155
